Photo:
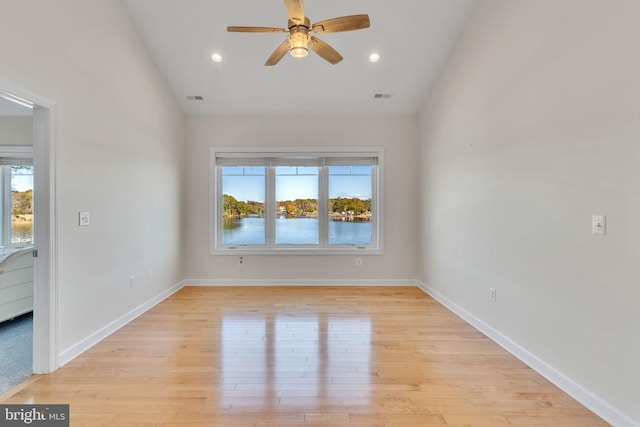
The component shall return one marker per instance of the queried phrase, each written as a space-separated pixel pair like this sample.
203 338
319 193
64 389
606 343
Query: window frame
322 248
11 155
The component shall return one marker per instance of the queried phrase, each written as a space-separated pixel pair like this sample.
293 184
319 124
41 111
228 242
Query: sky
22 180
22 183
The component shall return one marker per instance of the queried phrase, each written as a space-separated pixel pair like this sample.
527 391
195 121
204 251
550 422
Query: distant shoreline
22 218
333 216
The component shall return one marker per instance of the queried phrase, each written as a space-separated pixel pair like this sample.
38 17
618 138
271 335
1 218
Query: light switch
84 219
598 224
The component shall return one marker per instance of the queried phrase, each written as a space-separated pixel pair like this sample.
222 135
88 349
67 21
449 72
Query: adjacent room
16 236
326 213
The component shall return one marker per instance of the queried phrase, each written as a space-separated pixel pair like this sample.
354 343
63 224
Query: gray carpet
16 351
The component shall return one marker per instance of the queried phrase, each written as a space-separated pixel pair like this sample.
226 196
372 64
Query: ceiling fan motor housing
306 24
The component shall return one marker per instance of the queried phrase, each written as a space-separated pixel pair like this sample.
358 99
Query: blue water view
250 230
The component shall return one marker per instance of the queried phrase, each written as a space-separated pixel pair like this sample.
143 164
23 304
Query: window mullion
323 206
6 205
5 215
270 206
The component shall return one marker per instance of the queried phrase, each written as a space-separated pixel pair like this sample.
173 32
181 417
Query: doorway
16 243
44 253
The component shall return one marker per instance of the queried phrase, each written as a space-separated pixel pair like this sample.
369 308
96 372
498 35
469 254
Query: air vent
195 98
382 95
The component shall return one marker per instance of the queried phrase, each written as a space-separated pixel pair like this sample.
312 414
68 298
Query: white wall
398 136
16 130
120 138
534 127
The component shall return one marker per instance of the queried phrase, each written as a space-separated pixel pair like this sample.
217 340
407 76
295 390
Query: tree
355 205
291 208
22 202
233 208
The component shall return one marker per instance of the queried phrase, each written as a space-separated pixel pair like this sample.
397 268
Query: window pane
296 205
243 198
21 204
350 189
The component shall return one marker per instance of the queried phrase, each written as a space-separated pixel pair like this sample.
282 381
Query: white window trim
375 249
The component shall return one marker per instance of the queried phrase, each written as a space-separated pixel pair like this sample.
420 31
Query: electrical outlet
492 294
132 281
241 261
358 262
149 273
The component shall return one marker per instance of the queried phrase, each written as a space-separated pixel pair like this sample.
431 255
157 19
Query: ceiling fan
299 40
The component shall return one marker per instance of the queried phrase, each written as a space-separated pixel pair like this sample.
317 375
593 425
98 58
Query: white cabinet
16 284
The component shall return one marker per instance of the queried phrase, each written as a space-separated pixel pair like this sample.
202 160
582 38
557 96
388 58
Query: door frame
45 227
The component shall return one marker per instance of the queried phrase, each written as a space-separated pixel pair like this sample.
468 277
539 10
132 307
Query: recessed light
374 57
216 57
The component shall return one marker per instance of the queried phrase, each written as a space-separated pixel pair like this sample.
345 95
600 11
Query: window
16 189
279 200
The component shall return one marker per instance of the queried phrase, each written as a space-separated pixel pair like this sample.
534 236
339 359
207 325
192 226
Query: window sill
242 251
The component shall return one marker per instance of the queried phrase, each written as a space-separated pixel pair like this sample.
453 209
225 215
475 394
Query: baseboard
77 349
298 282
594 403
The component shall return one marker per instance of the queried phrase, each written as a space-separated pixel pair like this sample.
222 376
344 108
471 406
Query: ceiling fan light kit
299 41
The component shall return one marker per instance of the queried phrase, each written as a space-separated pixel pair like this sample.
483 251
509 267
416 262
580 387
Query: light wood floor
287 356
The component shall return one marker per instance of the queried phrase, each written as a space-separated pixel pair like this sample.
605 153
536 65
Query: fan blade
344 23
255 30
325 51
295 9
278 54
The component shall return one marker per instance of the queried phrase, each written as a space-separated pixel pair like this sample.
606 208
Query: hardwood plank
302 356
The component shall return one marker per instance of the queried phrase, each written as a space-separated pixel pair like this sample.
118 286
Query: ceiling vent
382 95
195 98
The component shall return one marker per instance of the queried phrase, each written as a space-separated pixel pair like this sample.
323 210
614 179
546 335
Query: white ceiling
413 37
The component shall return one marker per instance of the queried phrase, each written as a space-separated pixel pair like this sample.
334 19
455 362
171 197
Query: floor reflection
297 359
